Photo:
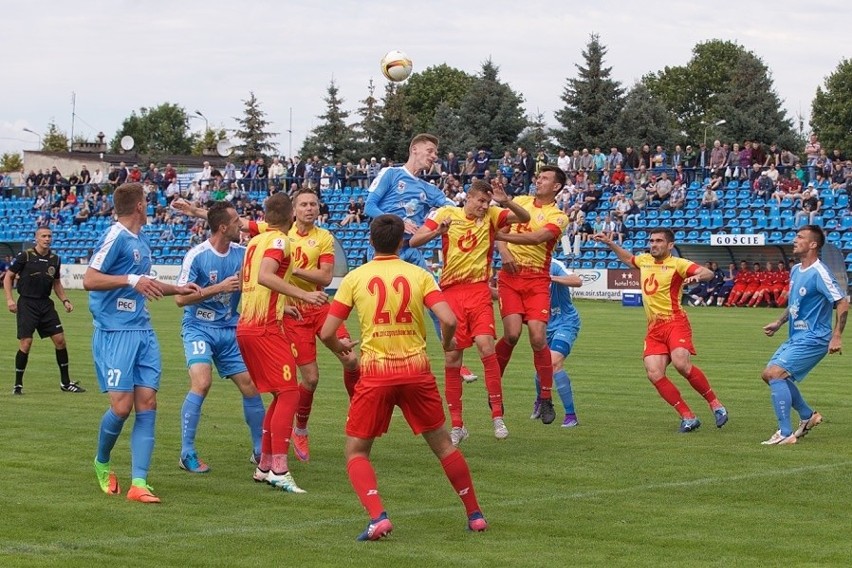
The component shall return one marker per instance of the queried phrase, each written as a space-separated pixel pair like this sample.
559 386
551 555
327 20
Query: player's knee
26 344
59 341
772 374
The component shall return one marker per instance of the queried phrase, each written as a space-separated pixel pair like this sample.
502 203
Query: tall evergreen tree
332 139
831 111
643 120
396 127
252 131
536 136
367 129
592 102
447 127
752 109
491 113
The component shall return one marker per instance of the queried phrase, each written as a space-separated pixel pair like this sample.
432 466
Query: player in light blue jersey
562 329
124 346
210 330
398 191
814 295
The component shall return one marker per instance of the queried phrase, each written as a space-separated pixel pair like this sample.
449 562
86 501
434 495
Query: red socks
453 394
671 395
458 473
306 401
504 353
494 385
544 368
350 378
362 476
282 410
701 385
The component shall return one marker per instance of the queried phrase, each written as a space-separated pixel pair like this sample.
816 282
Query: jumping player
264 342
814 295
524 279
391 296
669 337
467 241
210 330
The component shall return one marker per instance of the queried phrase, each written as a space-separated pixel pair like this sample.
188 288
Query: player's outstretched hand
316 298
602 238
444 226
835 346
188 289
770 328
347 344
12 305
231 284
182 205
498 192
691 279
293 312
69 307
150 288
410 227
507 261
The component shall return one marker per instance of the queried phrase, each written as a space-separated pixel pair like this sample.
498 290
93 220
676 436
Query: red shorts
528 295
269 357
304 332
665 337
779 288
372 407
739 288
471 303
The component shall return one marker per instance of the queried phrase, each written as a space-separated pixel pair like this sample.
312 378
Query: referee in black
37 270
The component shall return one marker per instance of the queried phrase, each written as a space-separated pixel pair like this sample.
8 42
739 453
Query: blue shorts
561 338
126 359
798 358
209 345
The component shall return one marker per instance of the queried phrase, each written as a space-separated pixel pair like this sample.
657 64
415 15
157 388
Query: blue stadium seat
693 236
846 222
827 199
842 200
613 265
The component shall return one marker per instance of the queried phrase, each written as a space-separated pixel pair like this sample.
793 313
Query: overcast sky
120 55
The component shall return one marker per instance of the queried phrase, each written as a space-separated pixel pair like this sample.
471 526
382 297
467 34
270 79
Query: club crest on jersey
423 196
137 256
213 275
540 217
802 291
312 243
51 270
400 186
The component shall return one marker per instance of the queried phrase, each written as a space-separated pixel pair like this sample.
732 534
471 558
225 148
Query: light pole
717 123
37 134
206 124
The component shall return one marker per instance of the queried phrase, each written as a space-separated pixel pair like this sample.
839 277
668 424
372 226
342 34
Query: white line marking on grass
75 546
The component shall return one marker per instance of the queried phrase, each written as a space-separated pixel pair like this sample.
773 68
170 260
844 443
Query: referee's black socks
62 361
21 359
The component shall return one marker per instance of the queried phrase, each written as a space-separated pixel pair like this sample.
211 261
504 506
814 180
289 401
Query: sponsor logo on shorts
206 315
125 305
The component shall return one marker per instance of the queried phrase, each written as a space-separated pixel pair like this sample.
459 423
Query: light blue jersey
205 266
396 191
562 311
813 293
120 252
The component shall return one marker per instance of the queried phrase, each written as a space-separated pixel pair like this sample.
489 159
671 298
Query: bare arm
623 254
8 285
533 238
836 343
320 276
447 319
328 335
424 234
229 284
267 276
507 259
59 290
190 210
704 274
770 328
571 280
517 214
94 280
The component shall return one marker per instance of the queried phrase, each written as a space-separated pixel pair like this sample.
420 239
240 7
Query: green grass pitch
624 488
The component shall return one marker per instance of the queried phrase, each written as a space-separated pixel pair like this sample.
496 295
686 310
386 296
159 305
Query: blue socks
254 413
781 402
108 433
799 404
190 415
563 386
142 444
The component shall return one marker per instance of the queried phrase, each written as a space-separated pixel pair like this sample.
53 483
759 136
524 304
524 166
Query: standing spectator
373 170
362 171
659 158
631 159
527 167
451 164
718 158
645 157
277 172
37 270
468 168
563 161
812 151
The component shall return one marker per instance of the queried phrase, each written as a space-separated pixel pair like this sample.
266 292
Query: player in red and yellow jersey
266 348
741 282
669 337
524 279
467 241
391 297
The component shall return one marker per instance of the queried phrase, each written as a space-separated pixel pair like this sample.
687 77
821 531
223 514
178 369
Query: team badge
423 196
479 222
213 275
312 243
802 291
540 217
400 186
51 270
137 256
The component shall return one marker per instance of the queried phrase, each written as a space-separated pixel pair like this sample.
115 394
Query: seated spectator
324 213
591 197
82 215
621 206
660 191
633 213
764 186
677 198
640 197
722 291
715 182
710 199
618 176
618 230
607 227
809 207
351 213
642 177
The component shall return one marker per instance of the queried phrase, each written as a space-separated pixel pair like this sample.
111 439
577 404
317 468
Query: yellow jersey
262 306
535 259
662 285
391 297
468 245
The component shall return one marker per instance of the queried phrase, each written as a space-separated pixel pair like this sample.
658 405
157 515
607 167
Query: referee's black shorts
37 314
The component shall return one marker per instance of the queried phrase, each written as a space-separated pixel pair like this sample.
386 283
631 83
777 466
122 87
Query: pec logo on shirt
125 305
213 275
137 256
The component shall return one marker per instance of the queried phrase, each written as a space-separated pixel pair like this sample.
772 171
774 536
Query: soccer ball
396 65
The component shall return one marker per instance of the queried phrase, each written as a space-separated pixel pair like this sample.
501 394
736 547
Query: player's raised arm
534 238
429 231
701 274
517 214
183 206
623 255
268 276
